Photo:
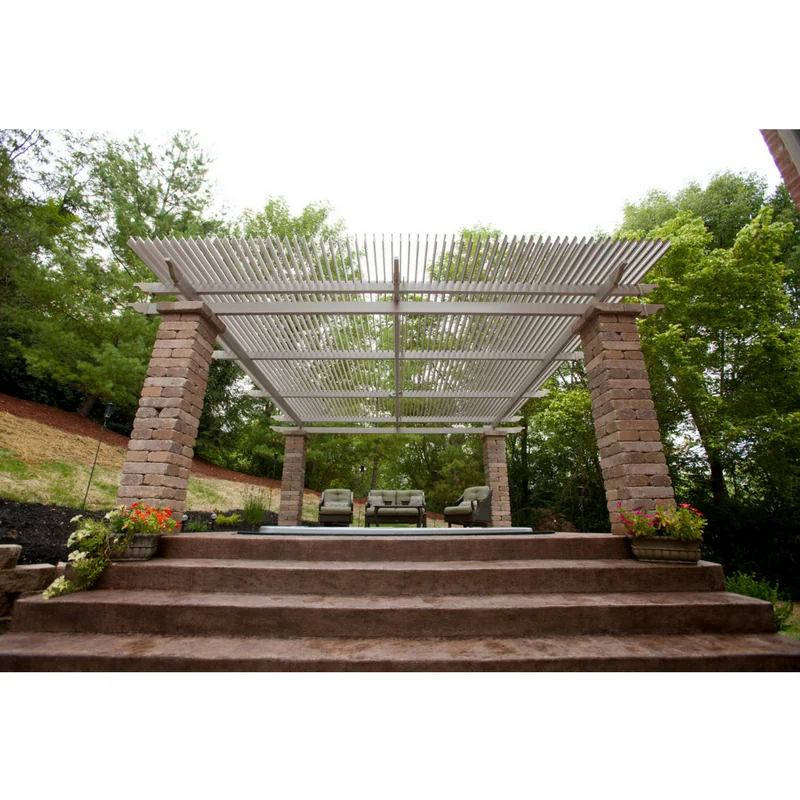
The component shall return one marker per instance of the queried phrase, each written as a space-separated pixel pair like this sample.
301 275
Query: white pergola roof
399 331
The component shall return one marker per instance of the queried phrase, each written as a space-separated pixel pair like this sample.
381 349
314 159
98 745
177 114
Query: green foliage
748 584
685 524
98 541
255 504
66 264
724 207
276 220
554 462
714 351
230 521
195 527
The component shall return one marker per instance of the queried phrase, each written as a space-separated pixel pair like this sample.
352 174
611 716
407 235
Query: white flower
75 519
56 587
77 555
78 536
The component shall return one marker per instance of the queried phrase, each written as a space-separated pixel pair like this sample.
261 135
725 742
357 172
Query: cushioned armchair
474 507
400 507
336 507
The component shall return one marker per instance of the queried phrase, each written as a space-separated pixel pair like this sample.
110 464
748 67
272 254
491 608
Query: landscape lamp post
106 417
362 469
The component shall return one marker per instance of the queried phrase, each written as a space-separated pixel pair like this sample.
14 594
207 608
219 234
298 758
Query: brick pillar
159 457
495 470
631 453
293 480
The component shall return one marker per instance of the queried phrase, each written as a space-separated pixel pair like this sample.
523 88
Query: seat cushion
338 510
336 496
476 493
411 512
462 509
379 497
411 497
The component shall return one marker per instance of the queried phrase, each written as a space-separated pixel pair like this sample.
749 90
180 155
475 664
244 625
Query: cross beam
388 355
386 431
387 287
390 308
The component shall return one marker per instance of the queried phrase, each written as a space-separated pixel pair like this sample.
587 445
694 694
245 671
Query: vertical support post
293 480
495 470
159 457
631 452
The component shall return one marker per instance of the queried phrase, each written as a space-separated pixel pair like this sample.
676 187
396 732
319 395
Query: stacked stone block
293 480
159 458
631 453
495 469
16 580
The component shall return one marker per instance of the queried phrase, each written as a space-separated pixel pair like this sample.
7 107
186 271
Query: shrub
195 527
748 584
228 522
255 504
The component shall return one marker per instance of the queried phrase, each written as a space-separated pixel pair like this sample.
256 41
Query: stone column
631 453
159 457
495 470
293 480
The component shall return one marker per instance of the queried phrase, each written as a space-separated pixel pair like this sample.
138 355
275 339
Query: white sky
424 117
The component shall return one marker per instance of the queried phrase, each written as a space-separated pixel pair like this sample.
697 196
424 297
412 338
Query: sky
424 117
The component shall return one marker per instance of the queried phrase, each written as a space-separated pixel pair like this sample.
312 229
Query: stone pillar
293 480
495 470
159 457
631 453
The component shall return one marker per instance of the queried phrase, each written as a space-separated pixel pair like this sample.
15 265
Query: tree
68 322
554 462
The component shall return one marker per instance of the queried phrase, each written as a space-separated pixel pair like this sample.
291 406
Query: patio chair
336 507
474 507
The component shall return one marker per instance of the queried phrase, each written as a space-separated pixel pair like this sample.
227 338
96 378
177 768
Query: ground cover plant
749 584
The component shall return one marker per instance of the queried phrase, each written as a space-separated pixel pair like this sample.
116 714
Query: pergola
374 335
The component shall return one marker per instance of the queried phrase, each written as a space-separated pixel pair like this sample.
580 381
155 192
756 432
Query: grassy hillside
42 464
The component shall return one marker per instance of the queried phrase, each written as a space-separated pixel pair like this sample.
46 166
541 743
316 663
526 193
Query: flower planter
142 547
665 548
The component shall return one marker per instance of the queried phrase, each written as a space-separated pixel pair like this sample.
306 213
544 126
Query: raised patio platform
414 601
386 530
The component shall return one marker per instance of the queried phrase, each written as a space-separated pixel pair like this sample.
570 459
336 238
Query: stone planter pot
665 548
143 546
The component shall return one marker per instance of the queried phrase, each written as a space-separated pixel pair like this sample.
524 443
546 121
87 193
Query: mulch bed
43 530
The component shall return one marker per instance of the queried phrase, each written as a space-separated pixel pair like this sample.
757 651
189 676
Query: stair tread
509 649
397 566
156 597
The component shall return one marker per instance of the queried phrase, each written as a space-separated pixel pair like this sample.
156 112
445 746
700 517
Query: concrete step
412 577
701 652
387 548
219 614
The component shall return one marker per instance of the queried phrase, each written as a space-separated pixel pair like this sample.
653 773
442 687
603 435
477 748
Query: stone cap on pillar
495 433
620 309
191 307
294 432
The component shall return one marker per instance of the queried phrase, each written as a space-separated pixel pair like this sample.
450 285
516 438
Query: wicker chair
336 507
474 507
